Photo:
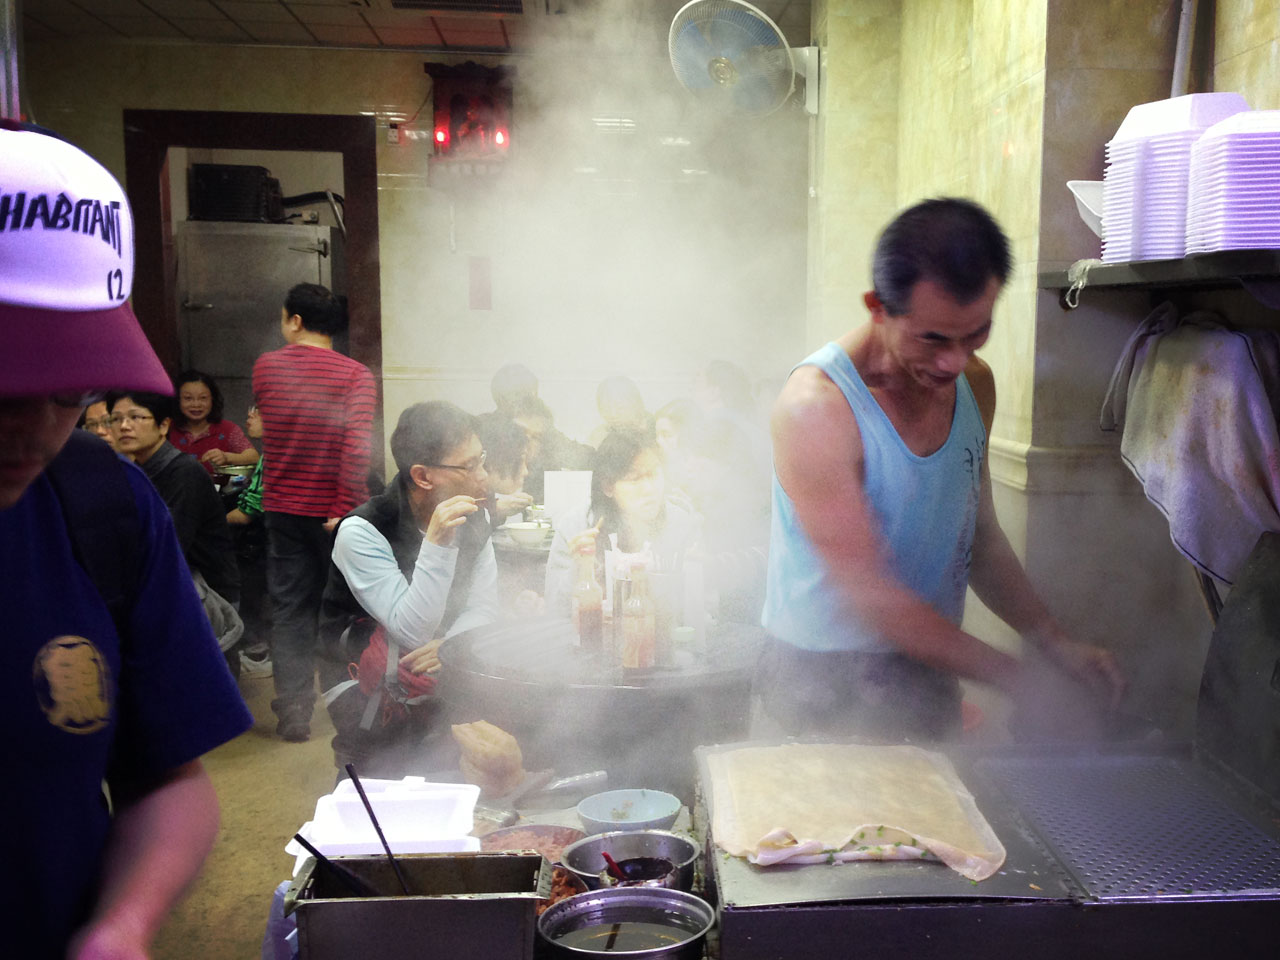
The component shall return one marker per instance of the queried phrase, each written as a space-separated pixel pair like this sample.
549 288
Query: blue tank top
926 508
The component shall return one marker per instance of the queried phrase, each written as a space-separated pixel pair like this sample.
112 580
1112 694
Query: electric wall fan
729 52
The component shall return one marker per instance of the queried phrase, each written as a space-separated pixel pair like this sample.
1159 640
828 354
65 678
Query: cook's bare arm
817 451
157 843
1001 582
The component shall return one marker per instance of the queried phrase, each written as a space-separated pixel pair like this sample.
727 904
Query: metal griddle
1125 850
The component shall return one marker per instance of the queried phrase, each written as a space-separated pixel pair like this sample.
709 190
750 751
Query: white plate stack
1146 184
1235 185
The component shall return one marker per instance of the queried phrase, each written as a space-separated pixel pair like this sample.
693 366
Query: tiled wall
1247 51
590 276
854 157
970 125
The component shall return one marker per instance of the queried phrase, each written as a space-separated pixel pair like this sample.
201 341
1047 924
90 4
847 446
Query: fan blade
690 54
756 95
731 32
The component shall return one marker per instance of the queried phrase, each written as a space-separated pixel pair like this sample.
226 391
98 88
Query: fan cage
704 31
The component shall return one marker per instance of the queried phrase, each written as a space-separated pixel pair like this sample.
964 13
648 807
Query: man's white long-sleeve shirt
410 610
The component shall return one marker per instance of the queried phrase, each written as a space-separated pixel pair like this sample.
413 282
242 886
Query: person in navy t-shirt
111 683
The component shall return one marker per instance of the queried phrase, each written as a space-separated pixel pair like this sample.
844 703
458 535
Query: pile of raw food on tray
826 803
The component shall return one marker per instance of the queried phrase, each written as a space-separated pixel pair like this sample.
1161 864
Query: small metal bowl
585 858
688 917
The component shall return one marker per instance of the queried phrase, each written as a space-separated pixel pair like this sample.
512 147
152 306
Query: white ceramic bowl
527 534
636 809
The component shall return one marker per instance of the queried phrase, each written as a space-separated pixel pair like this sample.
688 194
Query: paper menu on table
564 491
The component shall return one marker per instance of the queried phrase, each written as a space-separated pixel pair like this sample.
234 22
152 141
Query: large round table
574 711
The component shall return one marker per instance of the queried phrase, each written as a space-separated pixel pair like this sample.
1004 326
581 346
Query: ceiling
460 26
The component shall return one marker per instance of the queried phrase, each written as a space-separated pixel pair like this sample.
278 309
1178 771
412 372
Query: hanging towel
1198 404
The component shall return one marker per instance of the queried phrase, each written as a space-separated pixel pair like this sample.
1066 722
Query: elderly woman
629 513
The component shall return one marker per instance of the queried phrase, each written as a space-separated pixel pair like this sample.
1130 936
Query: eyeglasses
70 400
103 423
472 467
116 419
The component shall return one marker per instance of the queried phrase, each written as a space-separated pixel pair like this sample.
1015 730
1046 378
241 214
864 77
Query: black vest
345 626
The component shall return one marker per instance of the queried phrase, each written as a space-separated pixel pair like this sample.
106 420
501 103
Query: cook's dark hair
618 451
426 432
510 383
195 376
953 242
321 311
158 405
504 442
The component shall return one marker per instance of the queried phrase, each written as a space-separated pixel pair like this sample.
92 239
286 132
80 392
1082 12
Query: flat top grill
1077 825
1140 827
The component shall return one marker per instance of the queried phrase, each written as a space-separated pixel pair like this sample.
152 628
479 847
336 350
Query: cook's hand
329 524
425 659
587 538
215 456
238 517
447 517
1092 665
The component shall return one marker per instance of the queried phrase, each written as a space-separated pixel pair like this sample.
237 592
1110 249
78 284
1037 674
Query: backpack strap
93 488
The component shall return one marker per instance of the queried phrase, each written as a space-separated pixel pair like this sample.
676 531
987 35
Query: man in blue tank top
882 505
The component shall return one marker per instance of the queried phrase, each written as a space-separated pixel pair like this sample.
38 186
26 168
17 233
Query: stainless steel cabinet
232 279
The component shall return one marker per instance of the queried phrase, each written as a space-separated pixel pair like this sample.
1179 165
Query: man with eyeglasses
415 562
111 683
317 422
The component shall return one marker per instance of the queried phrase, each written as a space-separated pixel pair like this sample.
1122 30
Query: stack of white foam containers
1234 199
1147 181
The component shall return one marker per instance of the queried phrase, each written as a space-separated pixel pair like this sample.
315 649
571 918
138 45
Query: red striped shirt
317 420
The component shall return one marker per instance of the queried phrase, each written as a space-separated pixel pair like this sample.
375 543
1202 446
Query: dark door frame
148 135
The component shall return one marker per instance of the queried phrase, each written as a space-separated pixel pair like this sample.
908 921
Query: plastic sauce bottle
588 603
638 623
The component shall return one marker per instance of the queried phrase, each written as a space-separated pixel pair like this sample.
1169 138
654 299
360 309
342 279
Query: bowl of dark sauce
646 857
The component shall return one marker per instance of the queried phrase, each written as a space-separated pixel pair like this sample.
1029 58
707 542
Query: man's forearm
1001 583
155 849
921 633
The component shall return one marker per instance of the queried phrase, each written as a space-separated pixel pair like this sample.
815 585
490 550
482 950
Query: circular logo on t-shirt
73 685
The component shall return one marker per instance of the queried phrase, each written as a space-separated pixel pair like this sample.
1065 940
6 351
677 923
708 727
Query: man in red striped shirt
317 419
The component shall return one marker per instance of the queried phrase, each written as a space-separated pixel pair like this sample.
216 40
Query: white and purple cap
66 272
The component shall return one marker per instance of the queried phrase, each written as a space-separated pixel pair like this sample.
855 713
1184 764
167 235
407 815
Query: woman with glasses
200 429
140 423
629 516
96 418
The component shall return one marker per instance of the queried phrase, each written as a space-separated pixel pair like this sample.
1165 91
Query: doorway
149 137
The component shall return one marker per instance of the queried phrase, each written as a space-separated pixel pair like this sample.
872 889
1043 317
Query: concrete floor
267 789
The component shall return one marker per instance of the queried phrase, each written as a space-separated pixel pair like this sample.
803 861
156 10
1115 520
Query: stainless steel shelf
1205 271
